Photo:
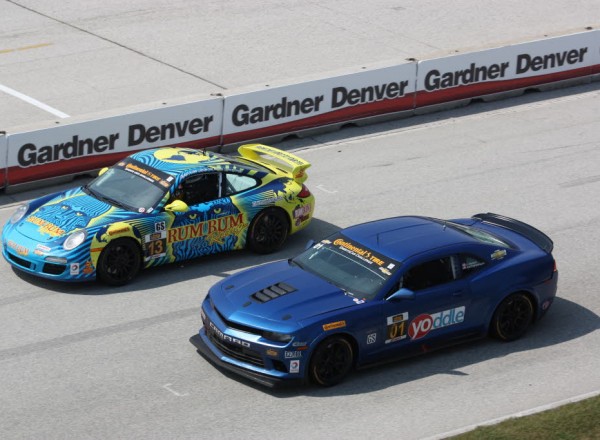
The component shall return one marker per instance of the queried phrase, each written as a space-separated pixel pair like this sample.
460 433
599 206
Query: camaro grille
272 292
236 351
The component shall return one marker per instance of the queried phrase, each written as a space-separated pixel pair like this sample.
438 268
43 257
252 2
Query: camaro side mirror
401 294
309 244
177 206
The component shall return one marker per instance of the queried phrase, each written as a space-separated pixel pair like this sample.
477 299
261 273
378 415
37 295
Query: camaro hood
65 213
277 292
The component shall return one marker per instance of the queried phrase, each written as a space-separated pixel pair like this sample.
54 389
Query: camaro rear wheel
268 231
119 262
331 361
512 317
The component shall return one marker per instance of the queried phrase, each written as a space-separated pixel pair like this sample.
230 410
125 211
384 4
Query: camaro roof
402 237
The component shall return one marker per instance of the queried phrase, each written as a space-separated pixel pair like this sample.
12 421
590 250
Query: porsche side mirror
177 206
102 171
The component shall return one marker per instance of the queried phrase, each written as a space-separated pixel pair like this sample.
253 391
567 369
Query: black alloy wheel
331 362
119 262
268 231
512 318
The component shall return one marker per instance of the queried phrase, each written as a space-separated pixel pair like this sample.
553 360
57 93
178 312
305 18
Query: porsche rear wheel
268 231
512 318
119 262
331 362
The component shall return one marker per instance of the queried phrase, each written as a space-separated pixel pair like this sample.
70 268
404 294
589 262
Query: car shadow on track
551 330
212 265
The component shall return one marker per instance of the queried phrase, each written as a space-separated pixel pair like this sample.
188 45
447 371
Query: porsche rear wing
528 231
282 161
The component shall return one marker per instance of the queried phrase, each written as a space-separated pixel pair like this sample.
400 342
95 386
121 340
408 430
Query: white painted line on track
519 414
167 386
322 188
33 101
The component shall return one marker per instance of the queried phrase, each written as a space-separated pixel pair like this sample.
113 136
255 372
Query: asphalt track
87 361
60 61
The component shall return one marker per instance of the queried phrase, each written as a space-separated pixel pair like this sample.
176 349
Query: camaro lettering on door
423 324
227 338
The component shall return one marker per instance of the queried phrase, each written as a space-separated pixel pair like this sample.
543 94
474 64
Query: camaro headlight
75 239
19 213
279 337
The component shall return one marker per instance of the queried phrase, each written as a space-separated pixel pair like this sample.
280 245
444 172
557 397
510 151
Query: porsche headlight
279 337
75 239
19 213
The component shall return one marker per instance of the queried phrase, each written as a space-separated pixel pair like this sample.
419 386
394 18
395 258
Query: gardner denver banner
507 68
3 154
288 109
85 146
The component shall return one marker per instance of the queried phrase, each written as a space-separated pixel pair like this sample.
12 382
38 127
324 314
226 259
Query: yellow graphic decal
46 227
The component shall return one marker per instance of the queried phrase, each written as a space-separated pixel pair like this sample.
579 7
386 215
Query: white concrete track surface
88 361
104 56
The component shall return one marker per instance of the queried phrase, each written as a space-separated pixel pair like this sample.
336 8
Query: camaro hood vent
272 292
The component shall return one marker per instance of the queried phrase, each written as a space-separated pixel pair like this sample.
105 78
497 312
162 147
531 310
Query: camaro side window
429 274
235 183
470 264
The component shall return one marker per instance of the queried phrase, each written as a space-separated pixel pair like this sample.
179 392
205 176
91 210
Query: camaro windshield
359 271
131 185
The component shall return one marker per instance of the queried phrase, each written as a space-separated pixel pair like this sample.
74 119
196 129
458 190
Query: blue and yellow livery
159 206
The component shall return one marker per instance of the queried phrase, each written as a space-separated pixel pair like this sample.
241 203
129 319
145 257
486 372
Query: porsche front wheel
119 262
331 362
268 231
512 317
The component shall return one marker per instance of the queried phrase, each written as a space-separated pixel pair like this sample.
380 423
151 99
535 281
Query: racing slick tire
512 317
119 262
268 231
331 362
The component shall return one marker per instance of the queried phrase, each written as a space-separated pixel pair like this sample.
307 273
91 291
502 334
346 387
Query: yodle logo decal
423 324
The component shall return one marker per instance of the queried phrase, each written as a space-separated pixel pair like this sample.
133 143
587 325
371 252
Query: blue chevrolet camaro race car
376 291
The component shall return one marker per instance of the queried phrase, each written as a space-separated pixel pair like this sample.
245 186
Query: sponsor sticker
21 250
371 338
295 366
334 325
74 269
271 352
423 324
292 354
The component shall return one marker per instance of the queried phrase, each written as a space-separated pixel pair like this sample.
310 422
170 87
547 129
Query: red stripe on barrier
425 98
17 175
337 116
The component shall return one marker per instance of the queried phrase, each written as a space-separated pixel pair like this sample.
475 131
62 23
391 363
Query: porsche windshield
131 185
357 270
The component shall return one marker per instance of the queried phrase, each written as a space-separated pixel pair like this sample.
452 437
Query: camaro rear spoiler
282 161
528 231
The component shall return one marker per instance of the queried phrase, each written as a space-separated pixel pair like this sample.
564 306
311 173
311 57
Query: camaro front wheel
268 231
331 361
119 262
512 317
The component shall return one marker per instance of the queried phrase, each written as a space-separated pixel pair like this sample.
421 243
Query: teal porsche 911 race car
159 206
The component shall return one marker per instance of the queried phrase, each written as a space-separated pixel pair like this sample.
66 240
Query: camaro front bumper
201 342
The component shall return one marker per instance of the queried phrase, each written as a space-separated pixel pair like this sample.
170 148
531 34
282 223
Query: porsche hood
64 214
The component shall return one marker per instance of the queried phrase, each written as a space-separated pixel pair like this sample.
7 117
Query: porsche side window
200 188
470 264
235 183
429 274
